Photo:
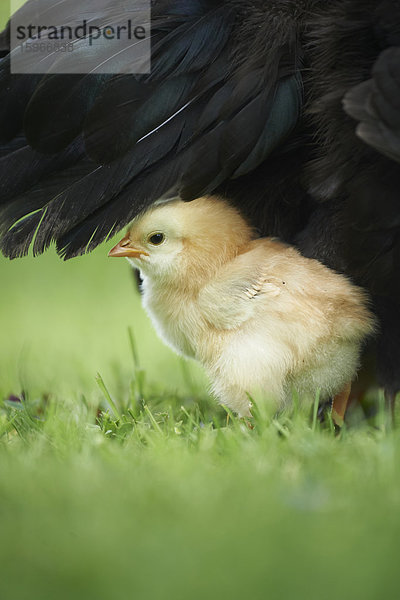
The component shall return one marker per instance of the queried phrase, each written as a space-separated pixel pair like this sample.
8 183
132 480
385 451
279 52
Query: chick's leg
231 396
339 405
235 399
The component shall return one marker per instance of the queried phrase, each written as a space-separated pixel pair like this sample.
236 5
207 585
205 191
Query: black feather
57 110
84 237
15 93
129 110
5 40
23 168
193 44
376 105
225 153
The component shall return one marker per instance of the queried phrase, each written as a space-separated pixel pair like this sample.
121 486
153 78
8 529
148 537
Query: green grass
120 478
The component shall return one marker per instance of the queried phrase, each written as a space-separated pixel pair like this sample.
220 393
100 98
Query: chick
258 315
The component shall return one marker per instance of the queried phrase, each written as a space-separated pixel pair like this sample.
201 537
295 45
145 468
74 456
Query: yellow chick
258 315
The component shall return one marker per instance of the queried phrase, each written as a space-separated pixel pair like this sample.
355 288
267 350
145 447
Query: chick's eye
156 238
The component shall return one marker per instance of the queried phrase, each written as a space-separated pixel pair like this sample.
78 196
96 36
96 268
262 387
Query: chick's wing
240 290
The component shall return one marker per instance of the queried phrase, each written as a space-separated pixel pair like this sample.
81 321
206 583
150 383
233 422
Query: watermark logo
80 37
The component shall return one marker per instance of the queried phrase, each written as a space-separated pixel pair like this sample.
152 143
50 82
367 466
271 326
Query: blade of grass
152 419
133 345
315 410
107 396
189 416
139 372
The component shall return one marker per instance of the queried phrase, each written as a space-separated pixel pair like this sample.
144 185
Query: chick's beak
124 248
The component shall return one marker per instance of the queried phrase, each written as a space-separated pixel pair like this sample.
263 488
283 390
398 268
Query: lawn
120 478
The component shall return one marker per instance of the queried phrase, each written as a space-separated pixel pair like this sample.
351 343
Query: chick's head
153 242
179 238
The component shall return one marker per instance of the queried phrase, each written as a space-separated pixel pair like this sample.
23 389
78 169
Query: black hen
246 98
